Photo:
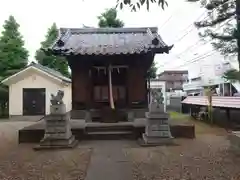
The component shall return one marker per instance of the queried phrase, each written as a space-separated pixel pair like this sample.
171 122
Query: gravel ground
9 135
21 162
205 158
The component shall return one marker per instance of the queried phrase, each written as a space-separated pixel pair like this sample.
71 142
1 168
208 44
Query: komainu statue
157 96
58 98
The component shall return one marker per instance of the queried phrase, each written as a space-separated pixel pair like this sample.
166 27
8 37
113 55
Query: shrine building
109 69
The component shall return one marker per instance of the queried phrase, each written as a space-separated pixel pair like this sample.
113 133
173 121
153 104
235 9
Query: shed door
34 101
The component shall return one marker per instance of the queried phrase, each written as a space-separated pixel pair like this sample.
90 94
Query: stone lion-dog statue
58 98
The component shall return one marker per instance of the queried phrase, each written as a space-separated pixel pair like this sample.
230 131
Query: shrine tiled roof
109 41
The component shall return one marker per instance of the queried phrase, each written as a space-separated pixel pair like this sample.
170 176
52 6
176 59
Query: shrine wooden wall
136 85
81 88
82 85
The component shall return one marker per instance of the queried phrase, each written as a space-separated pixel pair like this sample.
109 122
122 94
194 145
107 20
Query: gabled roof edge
4 81
108 30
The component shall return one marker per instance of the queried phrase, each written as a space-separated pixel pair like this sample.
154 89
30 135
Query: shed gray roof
52 72
109 41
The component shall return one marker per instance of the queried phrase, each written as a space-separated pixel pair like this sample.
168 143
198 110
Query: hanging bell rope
110 87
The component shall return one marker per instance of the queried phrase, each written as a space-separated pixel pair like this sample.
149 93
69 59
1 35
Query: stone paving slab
108 161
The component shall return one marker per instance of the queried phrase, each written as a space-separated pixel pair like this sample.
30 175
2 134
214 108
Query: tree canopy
138 4
221 16
109 19
13 55
152 72
46 59
221 12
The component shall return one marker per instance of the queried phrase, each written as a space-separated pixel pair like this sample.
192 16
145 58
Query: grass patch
178 116
200 127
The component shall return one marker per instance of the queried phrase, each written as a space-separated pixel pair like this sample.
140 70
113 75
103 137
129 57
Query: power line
197 58
196 43
190 47
200 56
191 59
179 39
170 17
199 41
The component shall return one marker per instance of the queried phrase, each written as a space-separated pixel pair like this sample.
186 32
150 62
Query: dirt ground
21 162
205 158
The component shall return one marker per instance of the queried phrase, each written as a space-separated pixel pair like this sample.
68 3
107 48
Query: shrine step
105 127
78 114
109 135
109 131
139 113
235 127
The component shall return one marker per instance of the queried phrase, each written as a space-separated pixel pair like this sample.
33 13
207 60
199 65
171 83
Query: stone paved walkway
108 161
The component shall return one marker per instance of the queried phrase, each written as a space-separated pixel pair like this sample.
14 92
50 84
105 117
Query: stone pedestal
88 117
157 130
58 132
130 116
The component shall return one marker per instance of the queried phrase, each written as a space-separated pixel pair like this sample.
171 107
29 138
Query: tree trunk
209 107
110 87
238 29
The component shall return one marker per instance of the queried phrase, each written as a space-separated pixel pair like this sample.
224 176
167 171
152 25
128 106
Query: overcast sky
36 16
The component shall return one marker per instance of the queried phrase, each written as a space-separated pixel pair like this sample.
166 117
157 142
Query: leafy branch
232 75
137 4
215 21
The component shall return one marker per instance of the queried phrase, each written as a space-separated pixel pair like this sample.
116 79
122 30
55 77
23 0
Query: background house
209 72
174 79
30 90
